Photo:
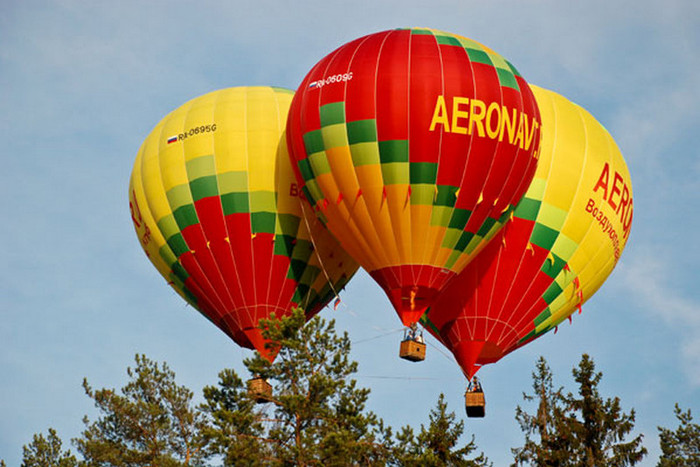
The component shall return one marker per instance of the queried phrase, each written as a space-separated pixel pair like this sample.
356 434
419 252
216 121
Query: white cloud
649 279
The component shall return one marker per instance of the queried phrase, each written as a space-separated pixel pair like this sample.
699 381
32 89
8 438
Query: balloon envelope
215 205
564 239
413 145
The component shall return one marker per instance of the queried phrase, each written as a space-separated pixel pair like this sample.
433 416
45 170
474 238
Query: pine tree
46 452
438 444
152 422
601 427
576 430
317 413
236 425
680 448
547 436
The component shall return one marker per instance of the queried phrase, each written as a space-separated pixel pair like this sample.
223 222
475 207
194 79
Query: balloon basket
412 351
260 390
475 403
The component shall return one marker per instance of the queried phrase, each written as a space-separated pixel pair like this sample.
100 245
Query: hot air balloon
215 205
413 146
564 239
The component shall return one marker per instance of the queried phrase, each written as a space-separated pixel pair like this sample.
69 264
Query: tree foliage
317 414
599 426
547 435
681 447
438 444
578 430
46 452
152 421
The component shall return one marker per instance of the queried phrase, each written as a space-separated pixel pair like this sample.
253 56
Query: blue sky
83 83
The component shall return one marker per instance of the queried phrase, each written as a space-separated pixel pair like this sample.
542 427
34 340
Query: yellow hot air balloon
563 241
215 204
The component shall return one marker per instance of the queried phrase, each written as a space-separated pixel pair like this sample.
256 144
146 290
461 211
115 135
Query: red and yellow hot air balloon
215 204
564 239
413 146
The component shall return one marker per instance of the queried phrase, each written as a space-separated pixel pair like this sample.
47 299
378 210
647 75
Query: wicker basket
260 390
475 403
412 351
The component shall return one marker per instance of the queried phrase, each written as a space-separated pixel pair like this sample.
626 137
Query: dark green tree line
317 415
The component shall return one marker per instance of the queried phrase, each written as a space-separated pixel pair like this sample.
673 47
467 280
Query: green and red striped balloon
414 146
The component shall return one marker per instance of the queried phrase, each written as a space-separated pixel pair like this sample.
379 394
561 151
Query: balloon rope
393 331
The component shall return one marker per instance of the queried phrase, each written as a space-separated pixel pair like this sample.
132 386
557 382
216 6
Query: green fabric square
319 163
235 203
262 222
178 245
421 32
204 187
459 218
564 247
361 131
393 151
422 194
332 114
168 226
423 172
395 173
446 195
364 153
506 78
334 136
479 56
185 216
263 201
179 196
441 216
527 209
313 141
552 216
447 40
450 239
543 236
